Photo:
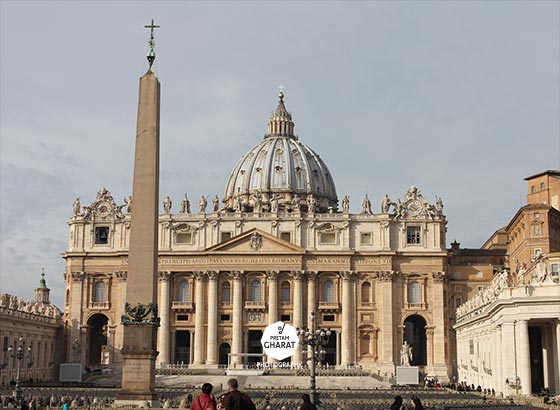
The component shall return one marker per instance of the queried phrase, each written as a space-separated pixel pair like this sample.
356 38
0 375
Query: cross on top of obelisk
151 56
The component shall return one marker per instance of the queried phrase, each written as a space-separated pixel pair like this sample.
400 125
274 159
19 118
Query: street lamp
317 339
18 354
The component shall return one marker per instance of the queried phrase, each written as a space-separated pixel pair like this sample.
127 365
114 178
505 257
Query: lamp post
317 339
18 354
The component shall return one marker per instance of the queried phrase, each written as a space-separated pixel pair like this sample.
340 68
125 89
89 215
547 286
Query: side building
508 334
36 327
277 247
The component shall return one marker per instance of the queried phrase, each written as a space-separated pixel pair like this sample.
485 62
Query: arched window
414 296
366 292
226 292
328 291
99 291
285 292
255 295
183 293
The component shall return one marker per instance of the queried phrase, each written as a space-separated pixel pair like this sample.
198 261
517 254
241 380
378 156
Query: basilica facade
279 245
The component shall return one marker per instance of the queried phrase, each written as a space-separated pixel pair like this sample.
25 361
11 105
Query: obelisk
140 318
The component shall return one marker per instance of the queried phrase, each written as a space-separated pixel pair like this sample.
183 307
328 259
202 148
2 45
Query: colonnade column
272 277
508 351
348 334
297 277
211 356
163 331
199 319
237 321
524 356
556 357
496 368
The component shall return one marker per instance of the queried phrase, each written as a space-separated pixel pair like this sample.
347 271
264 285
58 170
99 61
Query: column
198 319
311 295
163 331
497 376
297 277
556 357
429 347
386 318
348 335
440 322
272 277
311 303
508 353
237 320
211 359
523 356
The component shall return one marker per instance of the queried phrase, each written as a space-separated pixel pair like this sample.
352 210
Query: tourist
306 405
235 400
398 404
204 401
416 403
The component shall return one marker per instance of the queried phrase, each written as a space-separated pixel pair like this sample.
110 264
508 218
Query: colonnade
206 313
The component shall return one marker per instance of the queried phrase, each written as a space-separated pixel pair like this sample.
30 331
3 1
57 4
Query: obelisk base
139 363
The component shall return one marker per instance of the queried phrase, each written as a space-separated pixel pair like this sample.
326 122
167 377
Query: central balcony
255 305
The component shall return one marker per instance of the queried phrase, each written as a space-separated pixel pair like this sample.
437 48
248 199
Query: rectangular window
366 238
328 238
286 236
471 346
458 288
285 318
328 318
538 251
184 238
536 215
413 235
457 275
532 189
225 318
457 302
225 236
542 186
555 268
182 318
102 235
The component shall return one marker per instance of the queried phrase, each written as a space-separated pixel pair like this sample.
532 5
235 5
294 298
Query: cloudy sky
458 98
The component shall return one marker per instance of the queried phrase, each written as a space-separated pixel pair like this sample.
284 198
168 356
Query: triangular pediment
255 241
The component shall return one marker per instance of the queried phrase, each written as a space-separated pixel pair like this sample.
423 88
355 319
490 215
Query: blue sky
461 99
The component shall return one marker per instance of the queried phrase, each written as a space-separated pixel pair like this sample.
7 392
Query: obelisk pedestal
140 319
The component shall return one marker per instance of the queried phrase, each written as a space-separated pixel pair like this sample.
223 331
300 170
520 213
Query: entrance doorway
537 368
330 348
224 351
415 335
254 345
182 347
98 352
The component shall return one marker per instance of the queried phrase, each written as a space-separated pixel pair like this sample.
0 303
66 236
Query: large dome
280 170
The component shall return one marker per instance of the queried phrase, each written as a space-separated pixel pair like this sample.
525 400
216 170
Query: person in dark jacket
416 403
235 400
204 401
306 405
397 404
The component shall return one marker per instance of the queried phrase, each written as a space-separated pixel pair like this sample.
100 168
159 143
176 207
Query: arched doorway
224 351
98 351
415 335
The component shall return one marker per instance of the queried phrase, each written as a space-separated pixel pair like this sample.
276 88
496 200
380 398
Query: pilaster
163 331
199 345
